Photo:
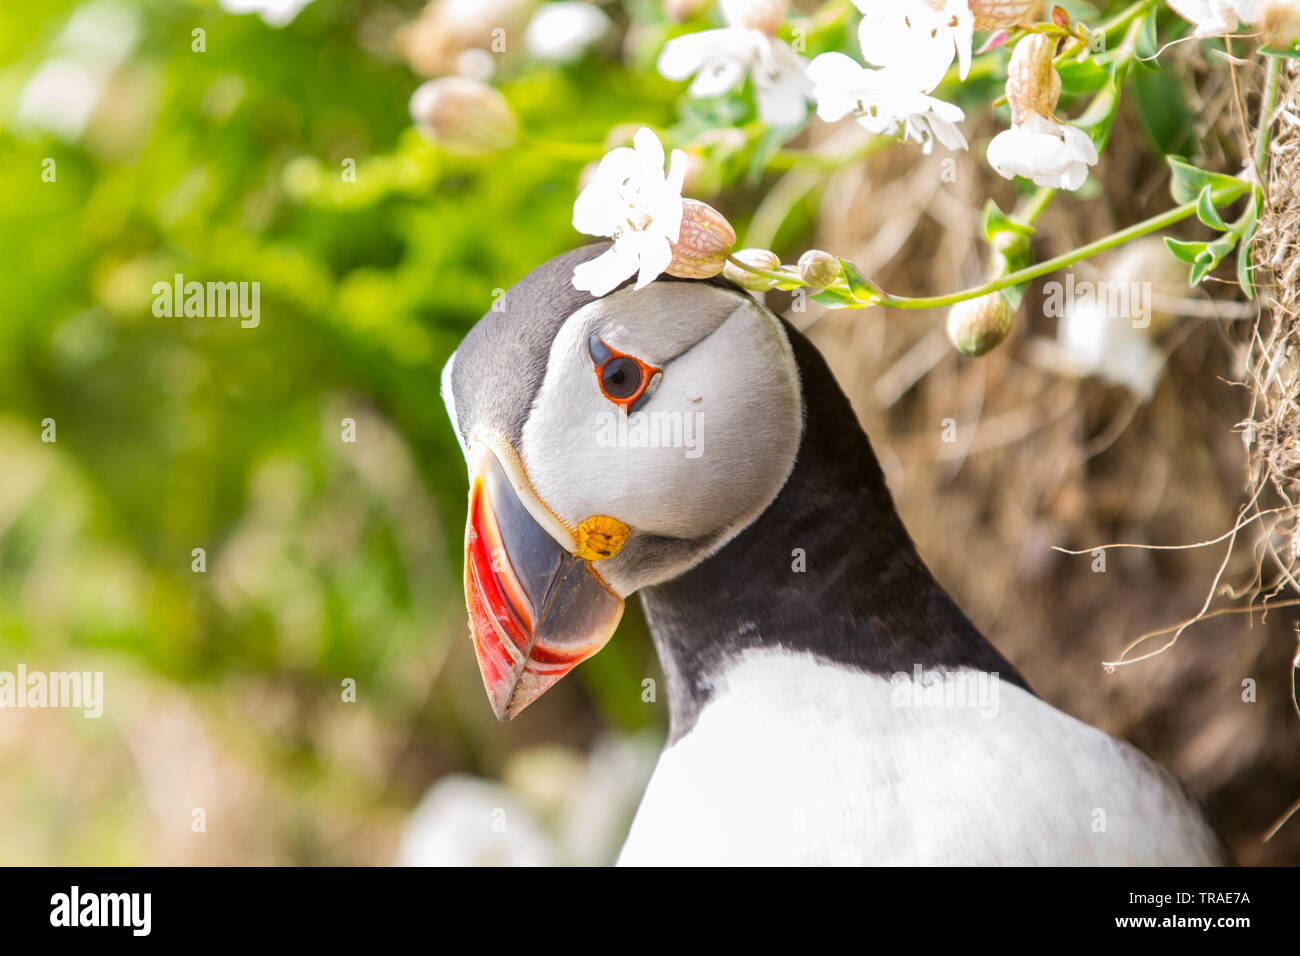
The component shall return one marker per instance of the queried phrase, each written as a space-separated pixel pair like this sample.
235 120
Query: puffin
828 702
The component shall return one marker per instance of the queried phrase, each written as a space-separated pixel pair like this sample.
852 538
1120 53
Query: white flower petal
835 77
962 36
1071 177
1046 152
649 150
1248 11
834 69
716 78
720 58
592 209
1080 144
916 38
947 133
682 56
1213 18
781 104
654 253
618 165
603 274
1000 152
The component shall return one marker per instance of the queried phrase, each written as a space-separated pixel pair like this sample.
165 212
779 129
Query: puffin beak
535 609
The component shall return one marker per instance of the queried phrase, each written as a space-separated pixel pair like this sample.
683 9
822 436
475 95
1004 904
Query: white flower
765 15
919 37
720 60
276 13
558 806
562 32
453 826
634 203
912 43
1216 17
1108 346
883 102
1050 153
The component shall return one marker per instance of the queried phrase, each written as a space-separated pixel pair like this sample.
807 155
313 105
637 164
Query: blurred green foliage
325 560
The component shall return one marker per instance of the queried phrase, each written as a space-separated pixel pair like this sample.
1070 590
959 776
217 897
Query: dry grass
1044 459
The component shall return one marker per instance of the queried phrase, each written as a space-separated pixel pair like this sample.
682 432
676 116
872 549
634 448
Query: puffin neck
864 599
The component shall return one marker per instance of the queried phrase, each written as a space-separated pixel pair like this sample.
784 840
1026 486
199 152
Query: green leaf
1222 246
1015 294
1244 269
1147 42
1210 256
1206 212
1246 227
1186 251
1163 110
835 297
1078 79
993 222
1188 180
859 286
1097 122
1287 53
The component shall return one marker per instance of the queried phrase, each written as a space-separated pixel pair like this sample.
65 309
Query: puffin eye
620 378
624 379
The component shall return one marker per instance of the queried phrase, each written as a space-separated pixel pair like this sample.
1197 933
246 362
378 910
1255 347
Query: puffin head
612 444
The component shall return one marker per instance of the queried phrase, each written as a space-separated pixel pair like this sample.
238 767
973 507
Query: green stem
990 65
1221 196
1266 107
1034 208
1126 16
784 277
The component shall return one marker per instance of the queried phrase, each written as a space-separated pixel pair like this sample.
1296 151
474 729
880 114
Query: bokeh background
330 561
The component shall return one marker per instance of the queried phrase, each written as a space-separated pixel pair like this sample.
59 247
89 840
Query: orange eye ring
623 379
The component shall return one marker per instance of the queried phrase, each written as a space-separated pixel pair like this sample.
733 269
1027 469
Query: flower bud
995 14
1279 22
977 325
1033 85
701 247
683 10
758 259
464 116
765 15
436 42
819 269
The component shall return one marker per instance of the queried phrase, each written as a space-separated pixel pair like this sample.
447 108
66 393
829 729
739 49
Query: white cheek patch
706 454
